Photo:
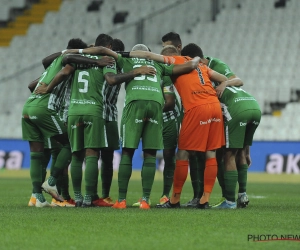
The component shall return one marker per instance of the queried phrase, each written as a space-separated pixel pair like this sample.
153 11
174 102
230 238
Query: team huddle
71 115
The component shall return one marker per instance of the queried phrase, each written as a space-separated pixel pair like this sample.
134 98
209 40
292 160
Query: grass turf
273 210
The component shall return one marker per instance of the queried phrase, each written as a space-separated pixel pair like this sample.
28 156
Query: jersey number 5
84 81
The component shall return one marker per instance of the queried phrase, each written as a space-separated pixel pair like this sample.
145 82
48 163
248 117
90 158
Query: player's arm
78 59
114 79
49 59
187 67
99 50
62 75
33 84
224 81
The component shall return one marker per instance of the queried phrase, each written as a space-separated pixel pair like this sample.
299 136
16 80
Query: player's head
169 50
104 40
192 50
172 38
76 43
117 45
140 46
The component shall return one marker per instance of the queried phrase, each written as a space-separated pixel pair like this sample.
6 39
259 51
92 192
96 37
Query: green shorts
112 133
142 120
239 131
86 131
39 123
170 133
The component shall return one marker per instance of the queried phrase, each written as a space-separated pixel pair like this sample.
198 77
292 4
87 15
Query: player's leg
170 137
53 127
152 141
107 156
130 133
243 157
94 139
32 134
214 129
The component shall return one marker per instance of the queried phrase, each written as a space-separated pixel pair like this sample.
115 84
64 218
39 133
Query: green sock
148 173
242 177
65 185
168 174
201 166
87 199
78 196
36 170
194 174
63 160
230 178
40 197
221 177
76 173
47 156
106 171
91 174
124 174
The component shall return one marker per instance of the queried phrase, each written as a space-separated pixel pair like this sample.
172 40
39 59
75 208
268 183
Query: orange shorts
202 128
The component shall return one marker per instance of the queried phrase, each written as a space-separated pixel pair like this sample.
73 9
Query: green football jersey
87 89
144 87
168 88
51 100
234 99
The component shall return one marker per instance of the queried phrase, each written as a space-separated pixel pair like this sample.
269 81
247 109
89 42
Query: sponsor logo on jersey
256 123
210 121
138 121
242 124
146 119
33 117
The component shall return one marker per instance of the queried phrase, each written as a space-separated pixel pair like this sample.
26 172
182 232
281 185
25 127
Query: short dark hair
173 37
117 45
76 43
192 50
104 40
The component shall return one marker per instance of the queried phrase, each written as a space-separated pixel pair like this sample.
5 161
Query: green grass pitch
274 209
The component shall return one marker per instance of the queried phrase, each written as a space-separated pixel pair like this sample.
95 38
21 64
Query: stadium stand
258 41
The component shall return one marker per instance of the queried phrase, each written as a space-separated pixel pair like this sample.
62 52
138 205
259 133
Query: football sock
63 160
201 166
78 196
147 174
210 174
220 176
87 199
76 173
242 177
180 174
124 174
91 174
47 156
36 170
230 178
106 172
65 185
40 197
168 174
194 174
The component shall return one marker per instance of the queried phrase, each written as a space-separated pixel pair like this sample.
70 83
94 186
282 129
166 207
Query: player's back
194 88
144 87
87 90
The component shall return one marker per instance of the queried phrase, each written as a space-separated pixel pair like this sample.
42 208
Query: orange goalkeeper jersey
194 88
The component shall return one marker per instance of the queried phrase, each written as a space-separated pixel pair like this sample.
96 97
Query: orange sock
180 174
210 174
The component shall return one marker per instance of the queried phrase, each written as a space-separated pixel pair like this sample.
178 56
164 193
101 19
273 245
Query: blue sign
267 156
